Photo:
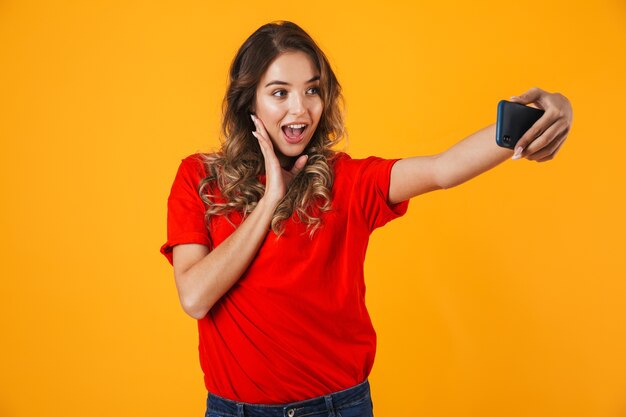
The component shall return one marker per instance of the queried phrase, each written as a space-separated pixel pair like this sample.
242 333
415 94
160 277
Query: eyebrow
317 77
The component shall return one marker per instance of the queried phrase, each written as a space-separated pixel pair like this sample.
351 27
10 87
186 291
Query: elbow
194 309
441 182
441 178
444 185
193 305
198 316
451 182
445 180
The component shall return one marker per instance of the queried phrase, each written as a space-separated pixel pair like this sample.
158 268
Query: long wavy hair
235 168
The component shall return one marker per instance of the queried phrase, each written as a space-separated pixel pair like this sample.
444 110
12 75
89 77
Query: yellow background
501 297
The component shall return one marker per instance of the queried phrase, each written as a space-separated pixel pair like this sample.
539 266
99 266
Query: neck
286 162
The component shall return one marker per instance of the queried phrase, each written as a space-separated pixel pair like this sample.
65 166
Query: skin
410 177
478 152
203 276
294 99
286 94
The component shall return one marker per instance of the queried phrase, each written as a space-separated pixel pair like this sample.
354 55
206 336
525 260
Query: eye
279 93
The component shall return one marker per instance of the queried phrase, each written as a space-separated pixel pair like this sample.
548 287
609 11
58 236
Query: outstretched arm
478 152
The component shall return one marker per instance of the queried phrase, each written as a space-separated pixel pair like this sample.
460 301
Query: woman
268 236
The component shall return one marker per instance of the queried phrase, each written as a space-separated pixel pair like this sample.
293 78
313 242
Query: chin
291 149
292 152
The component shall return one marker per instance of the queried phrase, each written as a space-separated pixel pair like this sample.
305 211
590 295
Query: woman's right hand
277 179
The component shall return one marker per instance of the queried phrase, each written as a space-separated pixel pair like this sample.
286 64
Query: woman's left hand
544 139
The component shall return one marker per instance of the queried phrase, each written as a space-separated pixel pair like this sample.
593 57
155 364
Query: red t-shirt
295 325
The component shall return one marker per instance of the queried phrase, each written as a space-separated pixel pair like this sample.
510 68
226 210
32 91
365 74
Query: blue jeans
352 402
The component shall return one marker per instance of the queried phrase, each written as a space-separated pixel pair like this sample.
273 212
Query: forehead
291 67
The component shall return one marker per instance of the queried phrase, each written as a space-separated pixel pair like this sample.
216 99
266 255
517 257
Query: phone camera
507 139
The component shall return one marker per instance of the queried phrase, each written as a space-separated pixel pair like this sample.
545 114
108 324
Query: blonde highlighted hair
235 168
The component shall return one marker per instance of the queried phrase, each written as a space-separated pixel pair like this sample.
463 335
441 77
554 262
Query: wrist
268 204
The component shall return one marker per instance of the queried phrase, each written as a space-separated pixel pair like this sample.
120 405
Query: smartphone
513 120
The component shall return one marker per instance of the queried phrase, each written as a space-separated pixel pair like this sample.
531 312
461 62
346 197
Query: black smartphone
513 120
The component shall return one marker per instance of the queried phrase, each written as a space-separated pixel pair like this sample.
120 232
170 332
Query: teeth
296 126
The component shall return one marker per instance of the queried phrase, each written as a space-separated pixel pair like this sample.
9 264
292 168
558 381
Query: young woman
268 235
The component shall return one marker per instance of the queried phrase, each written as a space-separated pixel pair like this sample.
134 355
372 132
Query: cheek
266 109
318 109
318 112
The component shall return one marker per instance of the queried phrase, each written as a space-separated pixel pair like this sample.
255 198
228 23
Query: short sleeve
372 186
185 208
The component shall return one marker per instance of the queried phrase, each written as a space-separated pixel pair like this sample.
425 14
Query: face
288 95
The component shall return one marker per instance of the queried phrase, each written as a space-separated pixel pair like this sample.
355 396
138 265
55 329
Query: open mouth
294 133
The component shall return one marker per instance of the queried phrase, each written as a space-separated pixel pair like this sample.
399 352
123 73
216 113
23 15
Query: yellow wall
501 297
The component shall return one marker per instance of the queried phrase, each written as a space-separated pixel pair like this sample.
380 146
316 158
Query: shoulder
200 165
347 164
192 170
341 161
194 163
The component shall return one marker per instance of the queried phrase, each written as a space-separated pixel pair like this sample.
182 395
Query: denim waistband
326 403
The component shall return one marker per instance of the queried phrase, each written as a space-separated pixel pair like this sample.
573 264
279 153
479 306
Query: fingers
267 148
556 150
531 96
549 151
552 155
544 139
536 130
299 165
264 138
262 144
260 130
277 177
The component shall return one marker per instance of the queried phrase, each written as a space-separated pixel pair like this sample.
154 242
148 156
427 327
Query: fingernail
513 97
254 134
252 117
518 153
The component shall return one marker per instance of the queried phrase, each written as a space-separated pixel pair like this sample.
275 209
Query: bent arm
466 159
203 277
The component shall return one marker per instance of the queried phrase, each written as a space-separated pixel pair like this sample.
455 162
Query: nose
297 105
